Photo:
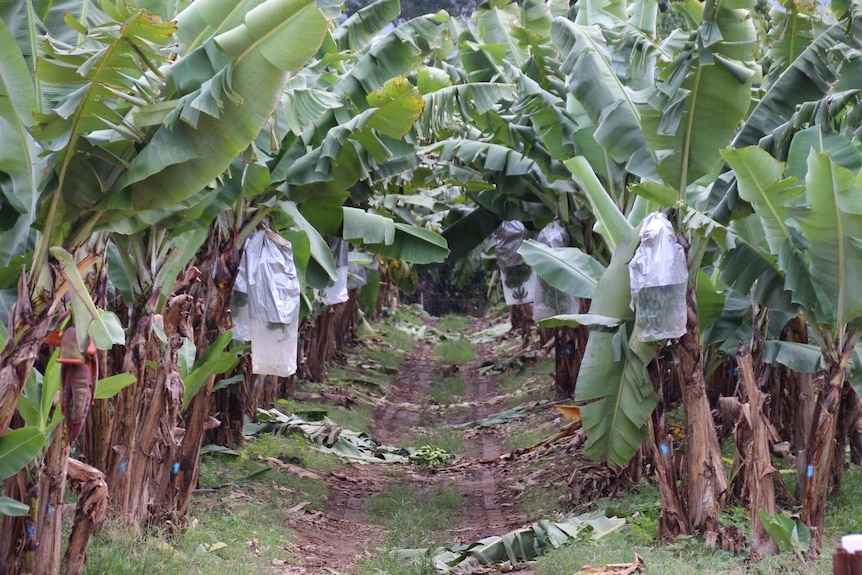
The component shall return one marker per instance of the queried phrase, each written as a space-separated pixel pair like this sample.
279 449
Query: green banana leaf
613 225
707 92
19 155
614 380
359 29
17 448
832 225
274 39
414 245
604 97
760 182
811 76
569 270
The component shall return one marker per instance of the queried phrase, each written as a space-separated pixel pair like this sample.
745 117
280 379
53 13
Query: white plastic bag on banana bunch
659 275
519 280
265 303
549 300
337 292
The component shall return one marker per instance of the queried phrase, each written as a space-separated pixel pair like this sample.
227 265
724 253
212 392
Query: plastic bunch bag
265 303
519 280
337 292
549 301
659 275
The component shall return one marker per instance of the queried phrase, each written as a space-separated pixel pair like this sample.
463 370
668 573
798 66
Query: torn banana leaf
327 436
524 544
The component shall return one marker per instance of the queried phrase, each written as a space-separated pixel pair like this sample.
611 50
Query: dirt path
339 537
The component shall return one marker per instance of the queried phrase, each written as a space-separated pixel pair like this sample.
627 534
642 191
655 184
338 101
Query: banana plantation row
142 148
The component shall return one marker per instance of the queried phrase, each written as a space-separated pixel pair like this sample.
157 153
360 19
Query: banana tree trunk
218 265
855 429
231 404
158 415
18 534
673 521
318 343
141 347
90 512
703 474
821 448
51 491
759 484
521 316
819 454
28 326
569 346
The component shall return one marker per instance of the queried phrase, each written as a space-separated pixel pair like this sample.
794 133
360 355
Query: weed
529 437
291 448
400 339
388 357
393 564
414 517
455 352
446 388
453 323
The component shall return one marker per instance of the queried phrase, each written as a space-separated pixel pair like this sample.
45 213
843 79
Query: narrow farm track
336 539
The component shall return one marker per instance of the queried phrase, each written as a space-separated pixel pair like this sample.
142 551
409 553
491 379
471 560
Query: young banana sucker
78 375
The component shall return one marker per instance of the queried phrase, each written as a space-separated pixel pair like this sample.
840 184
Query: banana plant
812 239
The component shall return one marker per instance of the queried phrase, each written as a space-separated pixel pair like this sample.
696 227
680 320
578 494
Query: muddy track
402 410
337 538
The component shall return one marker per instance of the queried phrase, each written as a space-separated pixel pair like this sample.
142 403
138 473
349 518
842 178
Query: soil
491 482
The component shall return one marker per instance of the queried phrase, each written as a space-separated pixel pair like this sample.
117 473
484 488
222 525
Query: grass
529 437
400 339
388 357
455 352
641 507
414 516
453 323
240 528
358 417
447 389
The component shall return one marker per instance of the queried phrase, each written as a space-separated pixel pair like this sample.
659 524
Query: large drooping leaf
413 244
17 448
19 154
367 226
800 357
603 95
833 227
356 32
495 27
760 180
569 270
809 77
707 91
323 271
613 373
614 380
750 273
446 106
612 224
204 19
13 507
275 38
391 56
842 149
397 107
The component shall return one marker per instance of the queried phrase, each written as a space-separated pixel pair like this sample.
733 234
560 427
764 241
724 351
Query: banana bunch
430 455
656 306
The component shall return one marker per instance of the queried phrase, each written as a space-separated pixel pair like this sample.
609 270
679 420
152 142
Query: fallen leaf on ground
637 566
